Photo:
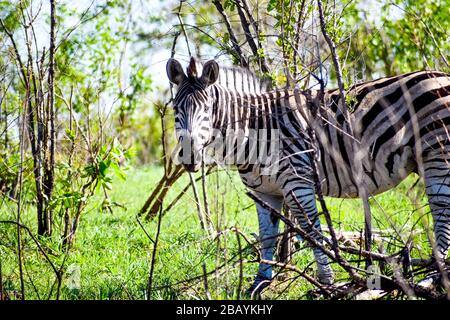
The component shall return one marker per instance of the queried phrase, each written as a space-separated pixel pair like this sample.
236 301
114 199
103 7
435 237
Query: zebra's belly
266 184
387 171
351 191
378 177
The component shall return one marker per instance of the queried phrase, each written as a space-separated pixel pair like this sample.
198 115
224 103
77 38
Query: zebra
401 124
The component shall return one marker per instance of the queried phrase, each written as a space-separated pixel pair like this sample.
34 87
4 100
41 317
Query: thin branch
153 261
183 30
36 242
242 60
201 216
308 237
357 164
429 32
248 35
19 204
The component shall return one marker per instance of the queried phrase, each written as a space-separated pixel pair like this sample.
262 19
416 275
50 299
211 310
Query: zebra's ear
175 71
210 72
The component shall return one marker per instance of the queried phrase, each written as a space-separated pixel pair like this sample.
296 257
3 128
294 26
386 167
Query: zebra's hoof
259 284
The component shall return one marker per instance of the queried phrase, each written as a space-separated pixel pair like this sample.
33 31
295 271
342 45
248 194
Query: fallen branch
154 201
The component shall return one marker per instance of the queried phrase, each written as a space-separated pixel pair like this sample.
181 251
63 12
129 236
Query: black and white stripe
402 125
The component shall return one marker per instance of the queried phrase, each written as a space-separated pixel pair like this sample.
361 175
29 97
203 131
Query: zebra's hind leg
268 230
302 202
437 182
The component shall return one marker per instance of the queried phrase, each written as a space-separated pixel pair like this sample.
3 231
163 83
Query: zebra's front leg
302 203
437 180
268 230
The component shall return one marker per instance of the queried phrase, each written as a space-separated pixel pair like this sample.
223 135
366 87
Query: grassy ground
112 253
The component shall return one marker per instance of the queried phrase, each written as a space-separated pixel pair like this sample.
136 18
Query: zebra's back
398 121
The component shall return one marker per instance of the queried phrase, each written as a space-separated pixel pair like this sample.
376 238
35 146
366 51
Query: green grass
113 253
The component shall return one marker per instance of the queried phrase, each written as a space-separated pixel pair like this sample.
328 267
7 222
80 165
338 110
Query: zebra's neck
278 112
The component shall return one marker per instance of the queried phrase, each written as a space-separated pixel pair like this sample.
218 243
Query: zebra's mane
242 80
239 79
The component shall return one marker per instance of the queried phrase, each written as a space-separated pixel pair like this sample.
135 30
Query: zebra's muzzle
188 155
192 167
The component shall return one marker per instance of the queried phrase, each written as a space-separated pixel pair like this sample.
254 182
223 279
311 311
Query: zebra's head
193 104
